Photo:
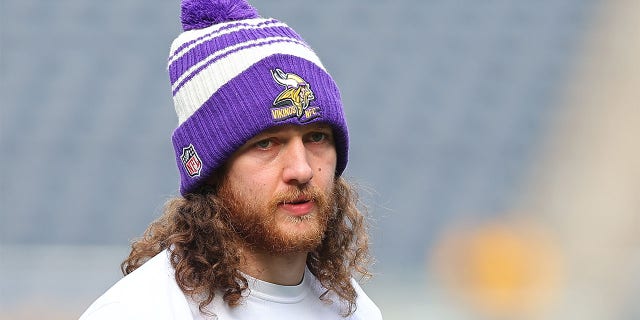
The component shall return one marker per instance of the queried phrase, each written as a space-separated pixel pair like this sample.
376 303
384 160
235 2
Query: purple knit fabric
220 126
198 14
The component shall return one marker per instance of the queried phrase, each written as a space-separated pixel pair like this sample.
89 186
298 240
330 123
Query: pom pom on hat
198 14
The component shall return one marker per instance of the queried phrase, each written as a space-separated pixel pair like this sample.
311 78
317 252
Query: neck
285 269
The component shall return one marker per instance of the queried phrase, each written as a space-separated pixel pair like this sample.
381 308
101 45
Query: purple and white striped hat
234 74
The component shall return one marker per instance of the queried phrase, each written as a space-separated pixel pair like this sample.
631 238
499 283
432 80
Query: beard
261 226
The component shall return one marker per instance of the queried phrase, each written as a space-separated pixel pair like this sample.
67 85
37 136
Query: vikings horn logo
294 100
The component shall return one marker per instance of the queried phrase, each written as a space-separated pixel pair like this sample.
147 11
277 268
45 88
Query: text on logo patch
190 160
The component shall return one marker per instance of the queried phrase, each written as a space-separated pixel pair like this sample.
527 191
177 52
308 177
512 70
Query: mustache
295 195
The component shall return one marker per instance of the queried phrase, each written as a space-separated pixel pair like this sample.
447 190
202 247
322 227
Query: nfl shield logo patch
191 161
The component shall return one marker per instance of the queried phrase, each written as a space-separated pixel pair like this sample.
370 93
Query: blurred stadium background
495 142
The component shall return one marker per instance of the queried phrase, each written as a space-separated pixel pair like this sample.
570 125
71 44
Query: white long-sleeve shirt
151 292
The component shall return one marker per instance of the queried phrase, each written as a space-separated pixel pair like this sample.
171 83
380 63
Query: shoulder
365 307
150 292
104 309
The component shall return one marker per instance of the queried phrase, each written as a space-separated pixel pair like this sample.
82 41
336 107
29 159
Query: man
266 227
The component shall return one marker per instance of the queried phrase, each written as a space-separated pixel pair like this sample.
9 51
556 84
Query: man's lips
298 207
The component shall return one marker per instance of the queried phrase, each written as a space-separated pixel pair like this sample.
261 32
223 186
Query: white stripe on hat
195 92
215 55
214 33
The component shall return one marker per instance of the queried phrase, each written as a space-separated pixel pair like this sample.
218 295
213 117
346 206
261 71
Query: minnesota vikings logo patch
191 161
294 100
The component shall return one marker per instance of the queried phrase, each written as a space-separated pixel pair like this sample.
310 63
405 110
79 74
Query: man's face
278 188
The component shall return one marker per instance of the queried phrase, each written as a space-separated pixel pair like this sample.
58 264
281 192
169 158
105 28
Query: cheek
325 173
254 183
329 164
250 185
325 159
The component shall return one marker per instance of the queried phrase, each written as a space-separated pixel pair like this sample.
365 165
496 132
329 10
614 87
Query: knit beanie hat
234 74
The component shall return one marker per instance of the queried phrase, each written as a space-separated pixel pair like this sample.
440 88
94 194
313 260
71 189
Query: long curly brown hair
201 245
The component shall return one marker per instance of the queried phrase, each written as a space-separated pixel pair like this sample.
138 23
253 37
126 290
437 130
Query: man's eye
317 137
264 144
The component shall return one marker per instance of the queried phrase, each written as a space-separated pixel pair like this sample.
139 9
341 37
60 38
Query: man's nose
297 169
